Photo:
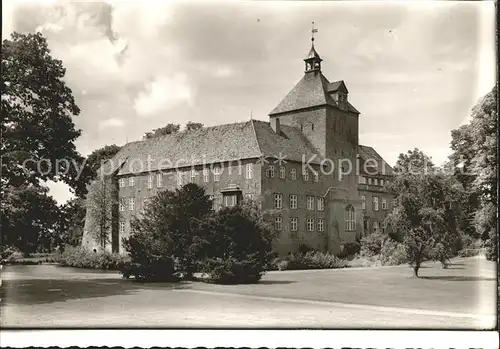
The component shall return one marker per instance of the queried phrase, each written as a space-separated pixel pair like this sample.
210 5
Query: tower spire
313 60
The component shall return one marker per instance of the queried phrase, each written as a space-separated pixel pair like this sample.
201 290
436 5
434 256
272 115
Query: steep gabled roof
230 142
310 91
366 153
337 86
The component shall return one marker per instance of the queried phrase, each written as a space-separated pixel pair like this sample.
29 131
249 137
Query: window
270 171
363 202
179 178
150 181
278 223
321 204
249 196
293 173
310 203
375 203
240 169
312 127
131 181
321 224
316 176
193 176
249 171
293 201
310 224
282 172
121 181
217 173
205 175
122 227
293 223
369 181
375 226
362 180
394 202
230 200
278 201
121 205
375 181
131 204
159 179
384 204
381 182
350 218
305 175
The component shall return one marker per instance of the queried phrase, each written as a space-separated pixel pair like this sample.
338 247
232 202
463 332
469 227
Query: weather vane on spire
313 30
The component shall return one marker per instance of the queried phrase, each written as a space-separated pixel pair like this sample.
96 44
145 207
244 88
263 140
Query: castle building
304 166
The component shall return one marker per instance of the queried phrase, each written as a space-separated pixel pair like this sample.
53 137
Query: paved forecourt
463 296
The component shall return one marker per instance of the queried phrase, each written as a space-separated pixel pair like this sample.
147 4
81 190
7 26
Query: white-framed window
179 178
316 176
131 181
375 181
294 223
217 171
375 203
384 204
249 196
282 172
121 182
293 201
362 180
192 178
305 175
278 201
381 182
321 204
363 202
159 179
310 224
206 175
293 174
249 171
321 224
278 223
122 227
270 171
350 218
369 181
150 181
230 200
310 203
121 205
131 204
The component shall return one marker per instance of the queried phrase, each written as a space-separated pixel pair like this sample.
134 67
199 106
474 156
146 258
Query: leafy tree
193 125
174 225
71 221
426 213
100 203
37 109
99 156
414 161
29 216
162 131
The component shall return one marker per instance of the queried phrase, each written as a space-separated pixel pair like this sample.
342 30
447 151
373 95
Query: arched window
350 218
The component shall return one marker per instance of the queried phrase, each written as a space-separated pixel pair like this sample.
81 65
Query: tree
174 225
240 245
29 216
426 214
100 204
162 131
71 221
37 130
414 161
193 125
99 156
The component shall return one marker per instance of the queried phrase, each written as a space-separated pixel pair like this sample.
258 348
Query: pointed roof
312 54
367 153
337 86
310 91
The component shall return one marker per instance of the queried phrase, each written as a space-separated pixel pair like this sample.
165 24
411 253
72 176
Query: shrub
371 245
392 253
232 271
10 253
312 260
84 258
351 248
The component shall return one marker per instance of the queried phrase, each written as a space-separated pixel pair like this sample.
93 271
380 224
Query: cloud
111 123
162 94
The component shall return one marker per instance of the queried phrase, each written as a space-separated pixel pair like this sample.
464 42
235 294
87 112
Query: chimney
275 124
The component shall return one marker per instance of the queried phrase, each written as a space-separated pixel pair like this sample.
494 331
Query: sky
413 69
